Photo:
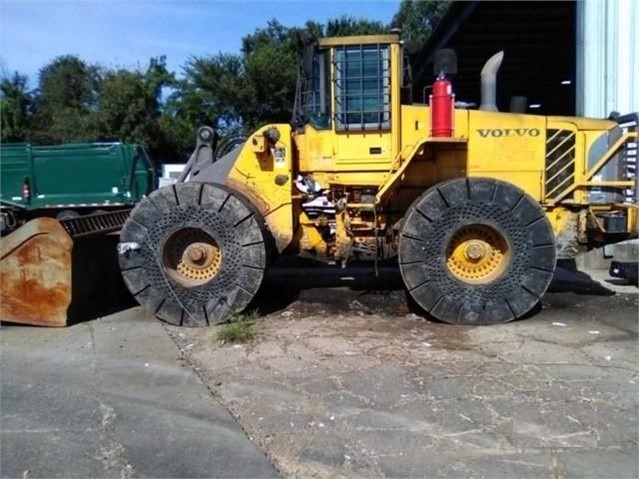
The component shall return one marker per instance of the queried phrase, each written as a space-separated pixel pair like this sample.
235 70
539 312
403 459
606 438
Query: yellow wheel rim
191 257
477 254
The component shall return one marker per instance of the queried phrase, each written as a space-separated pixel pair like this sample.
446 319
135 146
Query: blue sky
120 33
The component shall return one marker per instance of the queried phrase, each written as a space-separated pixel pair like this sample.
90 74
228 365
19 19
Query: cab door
362 105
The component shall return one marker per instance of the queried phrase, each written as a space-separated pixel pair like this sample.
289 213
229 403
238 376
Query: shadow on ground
568 279
309 288
97 285
98 288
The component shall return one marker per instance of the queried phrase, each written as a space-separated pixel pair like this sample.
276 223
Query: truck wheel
67 215
476 251
193 253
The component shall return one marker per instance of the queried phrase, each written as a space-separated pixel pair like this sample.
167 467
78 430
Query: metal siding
607 65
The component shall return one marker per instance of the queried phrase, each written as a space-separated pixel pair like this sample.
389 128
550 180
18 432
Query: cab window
362 87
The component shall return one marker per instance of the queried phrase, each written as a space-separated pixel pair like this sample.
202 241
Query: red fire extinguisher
442 108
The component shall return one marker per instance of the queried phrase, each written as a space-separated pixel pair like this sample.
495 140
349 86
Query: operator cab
346 83
348 104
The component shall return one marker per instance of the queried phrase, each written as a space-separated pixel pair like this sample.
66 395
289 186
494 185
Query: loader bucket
35 274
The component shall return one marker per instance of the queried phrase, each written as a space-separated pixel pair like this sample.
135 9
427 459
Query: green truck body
75 177
71 180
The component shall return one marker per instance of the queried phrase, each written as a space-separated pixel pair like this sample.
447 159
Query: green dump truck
71 181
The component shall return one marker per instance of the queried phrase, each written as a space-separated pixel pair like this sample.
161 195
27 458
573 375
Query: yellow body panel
358 40
508 147
353 151
556 160
586 124
264 174
318 150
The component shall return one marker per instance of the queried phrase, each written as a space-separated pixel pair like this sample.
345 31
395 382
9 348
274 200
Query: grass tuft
241 328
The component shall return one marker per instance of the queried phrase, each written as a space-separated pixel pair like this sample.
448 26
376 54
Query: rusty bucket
35 274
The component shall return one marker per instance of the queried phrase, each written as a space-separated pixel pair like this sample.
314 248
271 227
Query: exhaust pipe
489 82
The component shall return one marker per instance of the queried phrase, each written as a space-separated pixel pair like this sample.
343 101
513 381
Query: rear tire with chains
476 251
194 253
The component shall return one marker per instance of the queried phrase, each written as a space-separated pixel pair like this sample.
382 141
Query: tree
418 18
270 56
68 82
347 26
122 107
234 92
130 106
241 92
65 100
216 91
76 101
130 102
270 59
15 103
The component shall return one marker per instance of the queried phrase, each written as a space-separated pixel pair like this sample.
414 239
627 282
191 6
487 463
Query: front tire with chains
476 251
193 253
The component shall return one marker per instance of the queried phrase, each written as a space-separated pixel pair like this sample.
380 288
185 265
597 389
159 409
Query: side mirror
306 46
308 54
407 73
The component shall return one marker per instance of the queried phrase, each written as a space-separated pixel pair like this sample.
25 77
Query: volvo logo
508 132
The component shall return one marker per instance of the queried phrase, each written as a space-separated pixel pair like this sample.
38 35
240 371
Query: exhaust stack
489 82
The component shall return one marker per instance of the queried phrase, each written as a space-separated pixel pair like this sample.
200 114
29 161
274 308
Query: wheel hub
191 257
477 254
196 253
475 250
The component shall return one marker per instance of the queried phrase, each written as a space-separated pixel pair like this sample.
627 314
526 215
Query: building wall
607 57
607 79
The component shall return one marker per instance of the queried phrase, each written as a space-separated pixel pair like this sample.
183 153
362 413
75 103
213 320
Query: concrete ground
347 380
113 398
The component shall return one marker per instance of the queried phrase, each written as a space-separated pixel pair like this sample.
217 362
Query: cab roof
357 40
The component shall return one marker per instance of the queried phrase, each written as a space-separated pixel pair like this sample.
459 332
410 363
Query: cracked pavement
112 398
345 383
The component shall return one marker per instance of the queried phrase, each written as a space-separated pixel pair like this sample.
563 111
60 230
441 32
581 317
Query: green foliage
418 18
122 107
244 91
347 26
270 59
216 91
129 107
65 100
177 137
68 82
15 102
240 329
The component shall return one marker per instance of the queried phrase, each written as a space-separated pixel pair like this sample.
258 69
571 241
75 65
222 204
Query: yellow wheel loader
476 205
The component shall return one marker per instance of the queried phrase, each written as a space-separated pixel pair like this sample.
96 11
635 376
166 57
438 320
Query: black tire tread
434 216
224 215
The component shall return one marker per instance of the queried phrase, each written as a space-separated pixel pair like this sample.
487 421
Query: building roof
539 43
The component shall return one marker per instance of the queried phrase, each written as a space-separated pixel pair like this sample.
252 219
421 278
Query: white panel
607 63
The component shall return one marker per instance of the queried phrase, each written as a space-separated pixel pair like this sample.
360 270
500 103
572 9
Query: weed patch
241 328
